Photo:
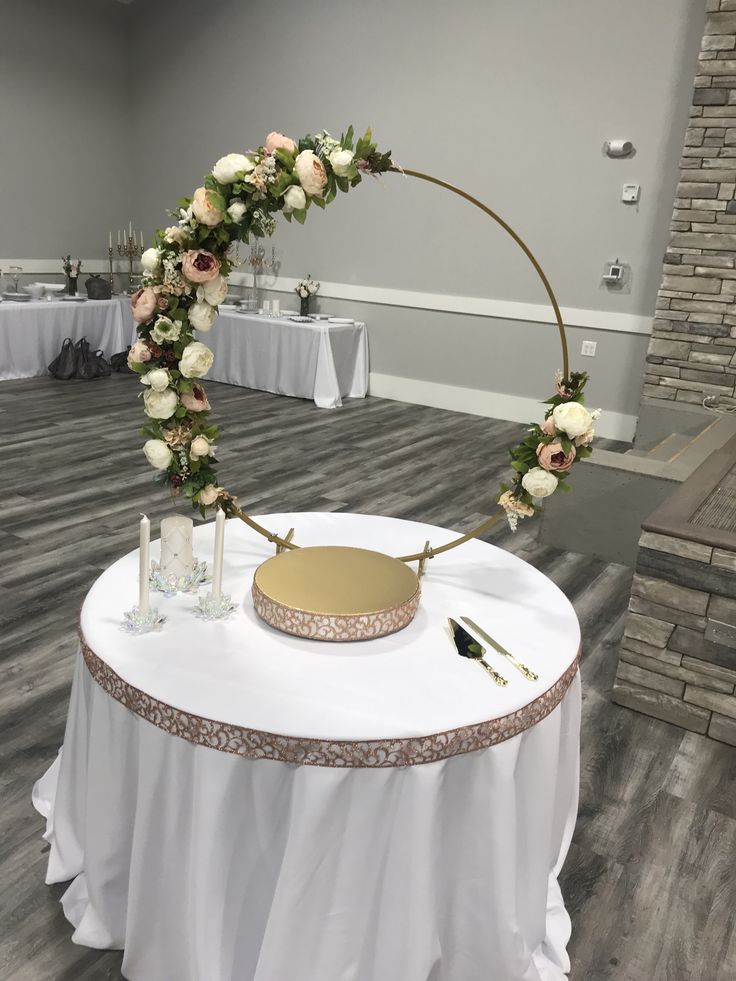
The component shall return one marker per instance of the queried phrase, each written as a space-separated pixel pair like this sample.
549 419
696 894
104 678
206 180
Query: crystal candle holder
135 622
215 607
171 585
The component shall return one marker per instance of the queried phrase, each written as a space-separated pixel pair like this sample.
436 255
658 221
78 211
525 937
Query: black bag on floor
90 364
119 362
64 365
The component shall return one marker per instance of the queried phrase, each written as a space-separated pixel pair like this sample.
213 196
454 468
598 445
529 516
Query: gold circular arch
428 552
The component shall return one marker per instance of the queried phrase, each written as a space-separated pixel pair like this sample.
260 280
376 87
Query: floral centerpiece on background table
185 279
305 289
72 268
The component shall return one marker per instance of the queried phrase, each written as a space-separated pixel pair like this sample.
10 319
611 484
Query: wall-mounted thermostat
630 193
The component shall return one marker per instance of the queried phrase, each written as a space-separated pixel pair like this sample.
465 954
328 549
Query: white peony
294 199
157 453
539 482
230 167
160 405
176 235
165 329
158 379
341 161
150 260
572 418
202 315
200 447
237 209
214 291
196 360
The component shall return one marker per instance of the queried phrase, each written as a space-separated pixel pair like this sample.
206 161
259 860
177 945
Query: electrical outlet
588 348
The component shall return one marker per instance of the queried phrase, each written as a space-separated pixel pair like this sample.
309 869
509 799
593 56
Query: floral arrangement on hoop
185 279
306 287
544 458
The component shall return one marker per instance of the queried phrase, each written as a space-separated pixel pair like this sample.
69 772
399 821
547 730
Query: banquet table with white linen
320 361
236 804
32 332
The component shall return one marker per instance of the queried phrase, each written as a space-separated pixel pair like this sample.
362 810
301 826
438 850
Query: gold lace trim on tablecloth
255 744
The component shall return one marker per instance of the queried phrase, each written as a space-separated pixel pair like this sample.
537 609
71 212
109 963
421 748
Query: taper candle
110 239
118 238
219 553
130 230
144 565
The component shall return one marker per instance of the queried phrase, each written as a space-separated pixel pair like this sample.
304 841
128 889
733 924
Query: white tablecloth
217 864
31 333
320 361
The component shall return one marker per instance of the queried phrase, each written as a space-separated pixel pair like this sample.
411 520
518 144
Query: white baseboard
494 405
476 306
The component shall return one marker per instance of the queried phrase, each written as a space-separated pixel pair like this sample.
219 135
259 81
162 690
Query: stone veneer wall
667 667
692 352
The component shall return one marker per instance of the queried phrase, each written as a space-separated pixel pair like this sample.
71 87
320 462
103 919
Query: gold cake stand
336 593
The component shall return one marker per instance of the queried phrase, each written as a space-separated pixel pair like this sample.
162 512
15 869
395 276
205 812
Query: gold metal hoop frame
285 543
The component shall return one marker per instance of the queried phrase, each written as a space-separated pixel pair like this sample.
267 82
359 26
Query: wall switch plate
630 193
588 348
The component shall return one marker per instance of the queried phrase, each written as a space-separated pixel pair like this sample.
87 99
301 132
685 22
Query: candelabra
112 285
258 262
130 248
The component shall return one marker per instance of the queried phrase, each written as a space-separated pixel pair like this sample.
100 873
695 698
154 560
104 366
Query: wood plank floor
649 881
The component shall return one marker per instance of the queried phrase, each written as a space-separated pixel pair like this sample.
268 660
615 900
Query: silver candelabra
259 263
131 249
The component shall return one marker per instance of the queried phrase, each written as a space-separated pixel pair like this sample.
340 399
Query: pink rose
586 439
139 353
552 457
200 266
311 173
196 400
208 207
548 427
143 304
277 141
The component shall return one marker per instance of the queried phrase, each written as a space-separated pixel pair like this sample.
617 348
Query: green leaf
301 216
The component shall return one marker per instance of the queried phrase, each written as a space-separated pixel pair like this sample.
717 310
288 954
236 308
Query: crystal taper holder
215 607
135 622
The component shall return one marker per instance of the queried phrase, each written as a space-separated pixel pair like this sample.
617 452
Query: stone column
692 352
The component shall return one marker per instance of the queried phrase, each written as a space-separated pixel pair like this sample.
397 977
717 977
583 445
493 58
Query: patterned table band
256 744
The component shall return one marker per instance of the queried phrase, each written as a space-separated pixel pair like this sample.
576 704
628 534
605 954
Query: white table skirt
237 865
207 867
31 333
319 361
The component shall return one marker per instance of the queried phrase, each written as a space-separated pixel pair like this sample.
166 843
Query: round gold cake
331 592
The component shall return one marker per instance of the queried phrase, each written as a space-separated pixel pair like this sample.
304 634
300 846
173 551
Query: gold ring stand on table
336 593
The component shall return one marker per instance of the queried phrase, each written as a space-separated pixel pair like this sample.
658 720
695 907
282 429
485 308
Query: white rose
341 161
196 360
157 453
200 447
294 199
209 494
158 379
214 291
165 329
572 418
160 405
230 167
313 287
201 316
237 209
150 260
539 482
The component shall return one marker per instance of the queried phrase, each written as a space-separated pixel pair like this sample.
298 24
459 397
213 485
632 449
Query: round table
236 804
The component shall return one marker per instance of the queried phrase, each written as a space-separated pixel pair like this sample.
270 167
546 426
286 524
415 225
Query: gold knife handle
527 672
498 678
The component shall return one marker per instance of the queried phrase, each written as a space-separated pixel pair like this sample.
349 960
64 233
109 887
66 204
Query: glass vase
304 305
71 285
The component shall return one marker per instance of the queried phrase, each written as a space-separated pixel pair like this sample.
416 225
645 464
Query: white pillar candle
177 558
144 565
219 553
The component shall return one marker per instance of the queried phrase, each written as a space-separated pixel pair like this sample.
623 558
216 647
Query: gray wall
512 101
65 155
